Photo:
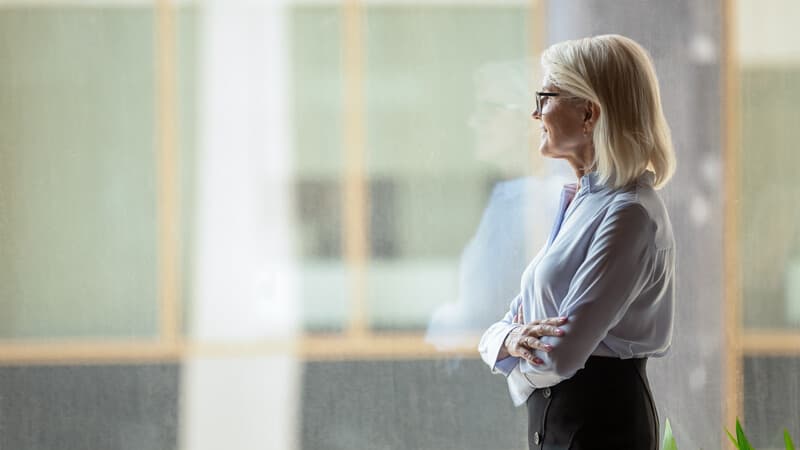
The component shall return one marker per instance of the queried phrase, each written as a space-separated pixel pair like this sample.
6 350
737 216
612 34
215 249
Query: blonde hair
616 73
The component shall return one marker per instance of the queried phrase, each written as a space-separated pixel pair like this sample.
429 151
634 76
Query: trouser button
536 438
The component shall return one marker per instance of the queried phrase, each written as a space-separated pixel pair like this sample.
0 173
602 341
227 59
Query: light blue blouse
609 267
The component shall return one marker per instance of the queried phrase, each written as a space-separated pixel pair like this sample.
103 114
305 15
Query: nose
536 114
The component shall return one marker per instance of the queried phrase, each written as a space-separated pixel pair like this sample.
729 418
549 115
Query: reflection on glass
520 209
425 120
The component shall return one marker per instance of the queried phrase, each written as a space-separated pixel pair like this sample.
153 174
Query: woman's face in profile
562 125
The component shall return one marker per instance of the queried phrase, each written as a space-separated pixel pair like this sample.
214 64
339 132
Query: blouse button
536 438
546 393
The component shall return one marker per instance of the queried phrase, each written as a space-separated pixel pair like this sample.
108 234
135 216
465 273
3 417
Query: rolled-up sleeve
613 274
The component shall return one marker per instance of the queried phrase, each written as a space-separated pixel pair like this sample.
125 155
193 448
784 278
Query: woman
598 299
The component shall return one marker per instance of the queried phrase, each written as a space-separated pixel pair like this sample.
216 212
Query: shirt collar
591 181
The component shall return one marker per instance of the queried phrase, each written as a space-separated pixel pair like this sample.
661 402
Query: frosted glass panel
97 406
77 174
319 163
429 401
771 399
770 220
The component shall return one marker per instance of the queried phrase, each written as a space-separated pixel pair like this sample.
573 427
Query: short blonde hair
617 74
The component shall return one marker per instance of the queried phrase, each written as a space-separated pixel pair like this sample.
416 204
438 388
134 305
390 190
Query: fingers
550 330
527 339
523 347
526 352
540 330
529 356
535 344
554 321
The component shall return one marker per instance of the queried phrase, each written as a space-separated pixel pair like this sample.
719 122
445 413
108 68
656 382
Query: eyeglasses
541 98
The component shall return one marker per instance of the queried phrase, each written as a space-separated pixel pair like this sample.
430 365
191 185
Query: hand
522 341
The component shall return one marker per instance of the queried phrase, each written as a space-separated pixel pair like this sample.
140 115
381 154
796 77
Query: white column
243 274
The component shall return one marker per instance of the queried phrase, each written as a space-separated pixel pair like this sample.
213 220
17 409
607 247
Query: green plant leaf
730 436
788 440
744 444
669 439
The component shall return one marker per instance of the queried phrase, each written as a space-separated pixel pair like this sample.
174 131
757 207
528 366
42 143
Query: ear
591 114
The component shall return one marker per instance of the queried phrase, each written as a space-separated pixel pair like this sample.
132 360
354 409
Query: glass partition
285 224
768 69
78 185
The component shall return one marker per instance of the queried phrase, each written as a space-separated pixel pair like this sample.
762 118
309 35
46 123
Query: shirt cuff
506 365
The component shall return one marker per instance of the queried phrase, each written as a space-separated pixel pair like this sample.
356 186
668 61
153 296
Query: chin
546 152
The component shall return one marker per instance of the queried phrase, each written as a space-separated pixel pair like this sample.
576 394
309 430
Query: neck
582 163
580 169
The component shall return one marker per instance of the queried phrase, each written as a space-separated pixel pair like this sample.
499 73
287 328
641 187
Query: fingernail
548 347
538 361
563 319
560 332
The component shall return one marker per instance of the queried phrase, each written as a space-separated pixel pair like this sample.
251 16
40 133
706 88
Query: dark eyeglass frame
540 99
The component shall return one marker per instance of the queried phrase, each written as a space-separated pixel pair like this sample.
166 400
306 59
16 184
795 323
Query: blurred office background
276 224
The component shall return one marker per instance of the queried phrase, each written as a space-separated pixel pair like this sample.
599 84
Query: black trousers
606 405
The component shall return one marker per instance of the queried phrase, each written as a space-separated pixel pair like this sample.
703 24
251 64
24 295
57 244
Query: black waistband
606 362
607 371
